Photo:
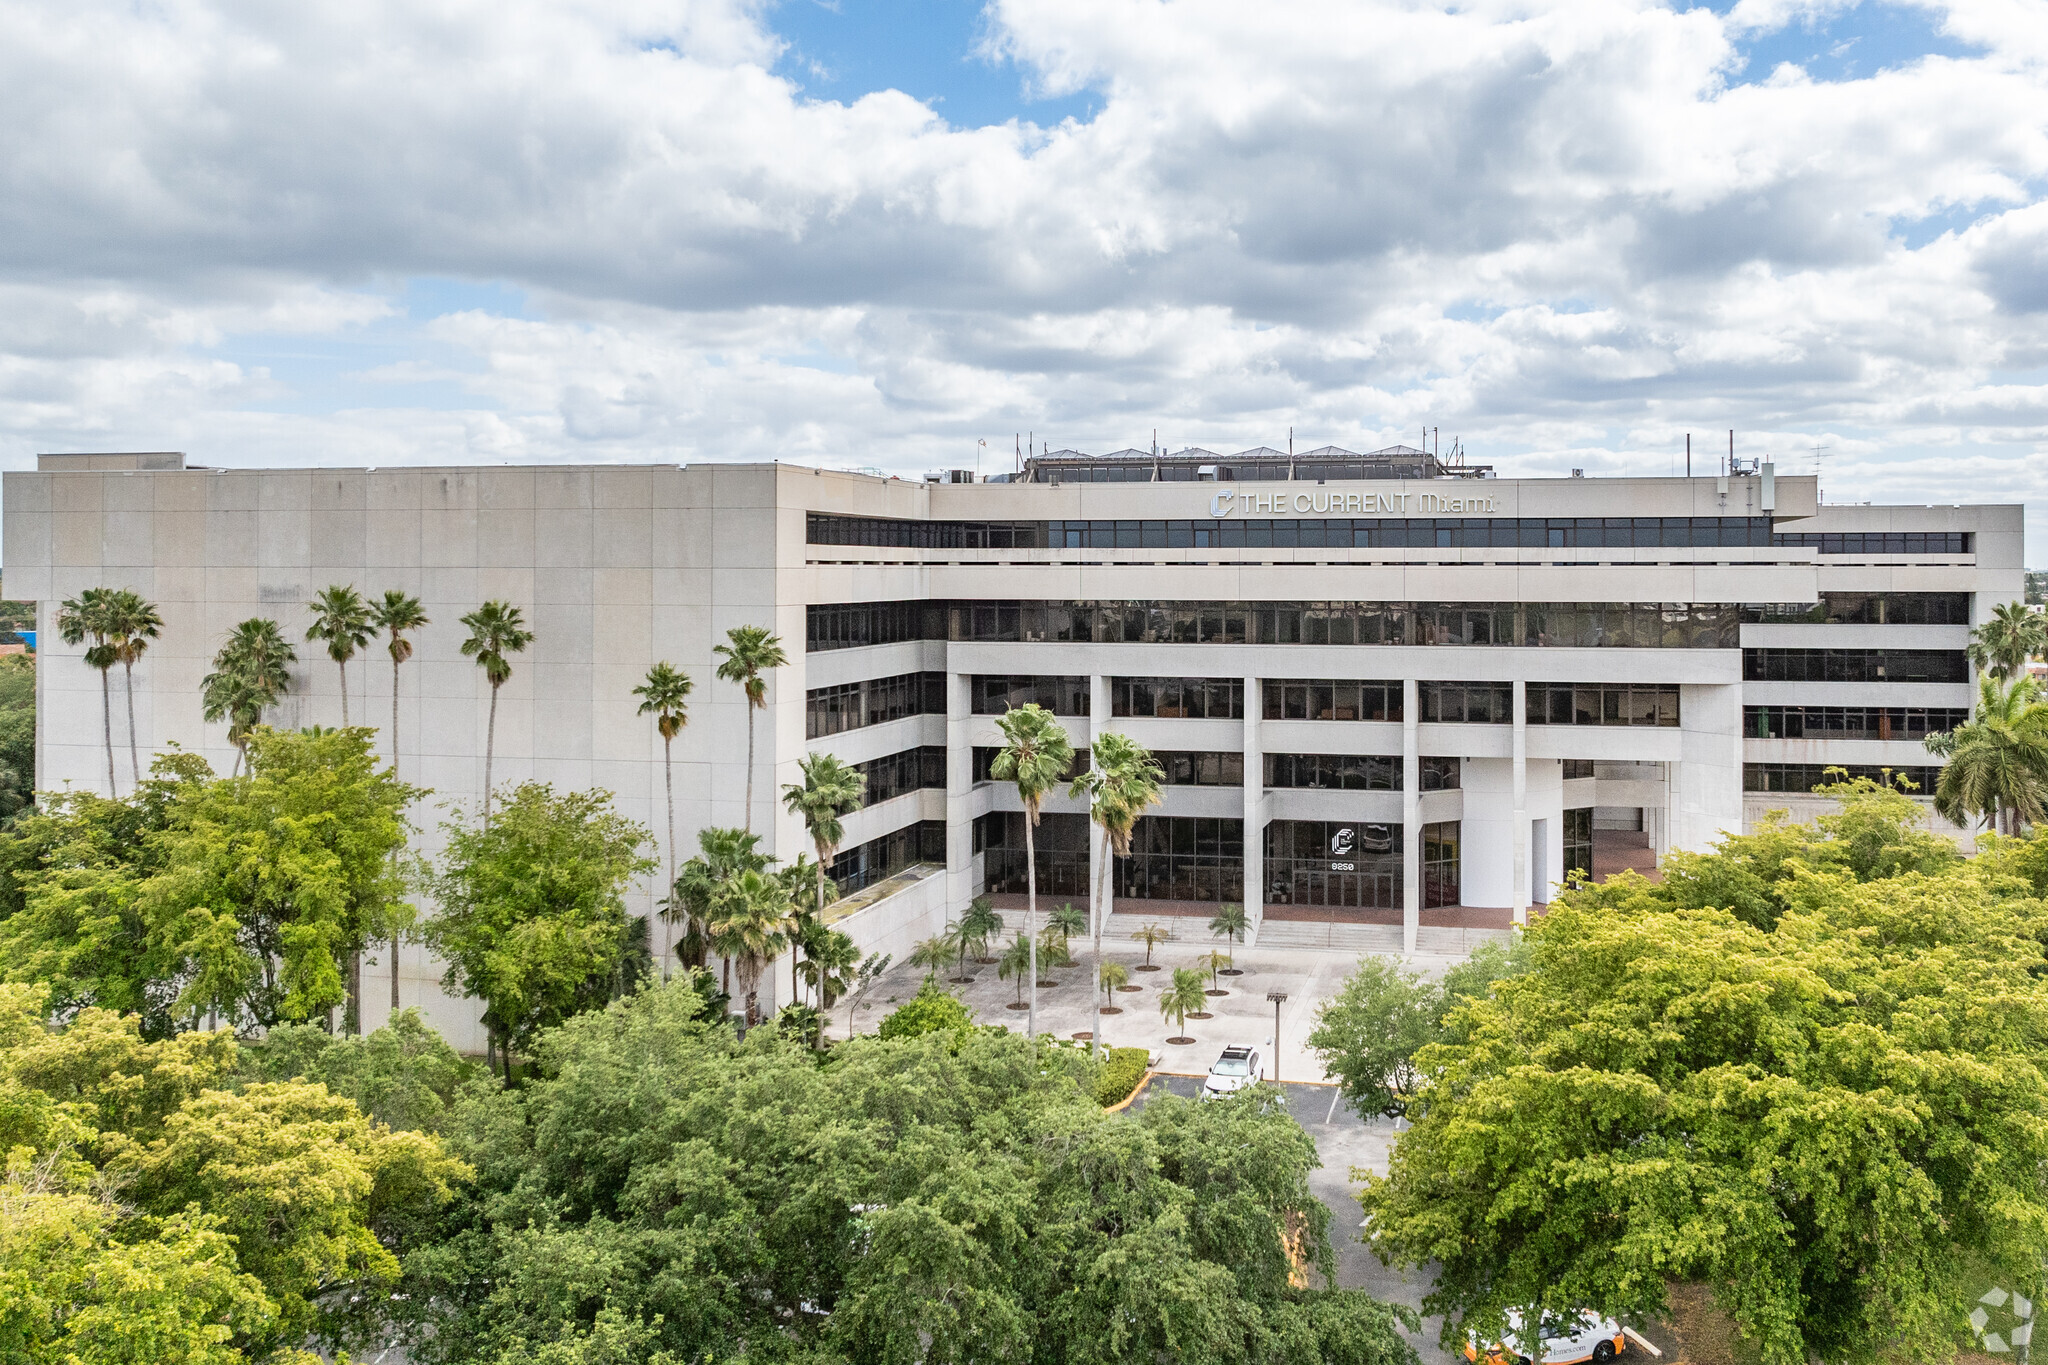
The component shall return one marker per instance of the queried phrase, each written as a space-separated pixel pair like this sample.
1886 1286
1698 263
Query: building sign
1328 502
1348 843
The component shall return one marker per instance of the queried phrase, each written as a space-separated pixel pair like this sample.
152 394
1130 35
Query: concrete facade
618 567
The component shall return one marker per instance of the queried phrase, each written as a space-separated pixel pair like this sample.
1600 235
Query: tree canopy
1807 1069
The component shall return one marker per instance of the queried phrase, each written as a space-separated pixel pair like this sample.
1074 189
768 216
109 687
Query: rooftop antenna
1688 454
1731 450
979 447
1290 443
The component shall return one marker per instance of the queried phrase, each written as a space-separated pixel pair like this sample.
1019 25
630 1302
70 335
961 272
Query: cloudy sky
878 232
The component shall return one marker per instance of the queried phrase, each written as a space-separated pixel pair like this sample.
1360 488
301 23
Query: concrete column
1411 816
1520 781
1254 811
960 887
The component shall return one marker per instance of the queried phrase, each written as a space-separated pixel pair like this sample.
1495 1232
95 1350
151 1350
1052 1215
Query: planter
1109 1009
1181 1042
1148 967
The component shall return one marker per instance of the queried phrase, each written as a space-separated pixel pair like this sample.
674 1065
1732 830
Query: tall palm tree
496 629
2014 634
251 673
1122 780
722 854
341 618
1036 754
1182 998
1998 760
748 655
89 616
829 790
396 613
665 696
1229 921
750 914
132 622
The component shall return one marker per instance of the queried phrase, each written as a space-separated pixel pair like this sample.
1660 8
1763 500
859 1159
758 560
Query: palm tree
748 655
749 928
1062 924
1020 960
396 614
1052 951
961 940
1229 921
2003 644
1122 780
251 672
89 616
1182 998
1110 977
1036 754
665 697
829 790
829 963
132 622
931 954
496 629
1998 760
1212 963
981 923
1152 935
723 854
342 618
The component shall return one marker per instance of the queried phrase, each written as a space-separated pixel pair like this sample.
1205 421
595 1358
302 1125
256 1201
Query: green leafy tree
497 630
1367 1035
532 906
2014 634
748 656
932 1010
1122 781
1829 1119
132 622
251 673
1182 998
341 620
665 695
1035 756
17 735
1229 923
748 926
85 618
1997 764
721 854
953 1196
403 1075
830 789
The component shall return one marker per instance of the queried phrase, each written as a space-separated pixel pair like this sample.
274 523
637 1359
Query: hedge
1120 1075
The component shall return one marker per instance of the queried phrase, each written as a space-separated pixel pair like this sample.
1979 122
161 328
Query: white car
1564 1339
1237 1068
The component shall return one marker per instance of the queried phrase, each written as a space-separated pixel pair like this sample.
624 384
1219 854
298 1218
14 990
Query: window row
896 774
1330 699
1850 722
872 701
1585 625
855 868
1201 767
1856 665
1344 533
1881 542
1178 698
1804 777
991 694
1601 704
1866 609
1357 772
1342 864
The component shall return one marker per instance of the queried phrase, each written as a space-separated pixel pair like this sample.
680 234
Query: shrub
1120 1075
931 1010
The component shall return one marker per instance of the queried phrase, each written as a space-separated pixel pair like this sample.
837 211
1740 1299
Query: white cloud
1554 228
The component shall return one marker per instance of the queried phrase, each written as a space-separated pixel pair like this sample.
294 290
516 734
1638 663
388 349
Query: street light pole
1279 998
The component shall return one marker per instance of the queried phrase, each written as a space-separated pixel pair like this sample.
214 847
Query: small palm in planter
1067 922
1230 922
1152 935
980 924
958 940
1181 999
1016 961
1213 963
932 954
1052 952
1112 977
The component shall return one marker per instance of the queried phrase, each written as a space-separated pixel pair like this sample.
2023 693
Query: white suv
1237 1068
